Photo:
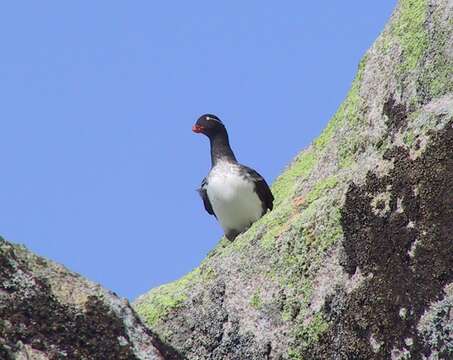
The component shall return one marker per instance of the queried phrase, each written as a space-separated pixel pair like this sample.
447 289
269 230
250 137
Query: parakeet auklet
235 194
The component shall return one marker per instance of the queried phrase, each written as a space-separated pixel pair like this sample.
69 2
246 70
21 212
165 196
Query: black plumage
204 196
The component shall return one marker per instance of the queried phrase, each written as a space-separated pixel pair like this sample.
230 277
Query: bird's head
209 125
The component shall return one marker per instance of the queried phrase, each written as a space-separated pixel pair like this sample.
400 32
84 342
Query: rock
48 312
356 259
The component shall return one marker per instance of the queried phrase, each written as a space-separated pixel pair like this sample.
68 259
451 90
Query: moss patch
348 114
410 31
275 224
347 149
436 78
159 302
320 188
349 110
256 302
310 333
300 168
330 232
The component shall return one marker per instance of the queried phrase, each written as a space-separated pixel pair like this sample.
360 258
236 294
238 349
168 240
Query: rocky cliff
356 259
48 312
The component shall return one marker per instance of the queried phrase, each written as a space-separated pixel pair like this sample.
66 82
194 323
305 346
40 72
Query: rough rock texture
356 259
48 312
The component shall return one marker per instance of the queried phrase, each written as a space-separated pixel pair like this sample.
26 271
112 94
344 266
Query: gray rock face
356 259
354 262
48 312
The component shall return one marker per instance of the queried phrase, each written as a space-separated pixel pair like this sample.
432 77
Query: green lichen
409 138
283 189
333 230
300 168
437 76
347 150
442 82
421 49
348 114
306 334
293 354
309 333
321 232
302 250
327 134
256 302
410 32
286 185
320 188
159 302
324 235
346 161
275 224
222 247
297 304
207 273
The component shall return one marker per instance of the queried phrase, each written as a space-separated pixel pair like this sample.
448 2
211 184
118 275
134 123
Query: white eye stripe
213 119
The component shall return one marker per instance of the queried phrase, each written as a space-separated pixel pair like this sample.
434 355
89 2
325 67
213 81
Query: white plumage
233 197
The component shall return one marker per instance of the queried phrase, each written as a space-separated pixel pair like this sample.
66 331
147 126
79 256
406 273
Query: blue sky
99 164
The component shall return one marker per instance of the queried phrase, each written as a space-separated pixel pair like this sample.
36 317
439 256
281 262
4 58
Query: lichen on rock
357 248
354 260
48 312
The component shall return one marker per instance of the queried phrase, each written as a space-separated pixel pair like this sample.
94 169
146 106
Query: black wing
204 196
262 189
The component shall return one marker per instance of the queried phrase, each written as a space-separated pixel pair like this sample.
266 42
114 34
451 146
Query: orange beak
197 128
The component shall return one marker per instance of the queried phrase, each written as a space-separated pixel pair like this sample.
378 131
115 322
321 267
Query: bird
235 194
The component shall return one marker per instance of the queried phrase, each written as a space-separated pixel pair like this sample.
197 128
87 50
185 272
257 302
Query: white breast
233 198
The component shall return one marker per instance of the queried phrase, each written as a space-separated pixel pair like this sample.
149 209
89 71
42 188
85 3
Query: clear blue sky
98 162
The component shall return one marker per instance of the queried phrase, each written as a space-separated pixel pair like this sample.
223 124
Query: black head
209 125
